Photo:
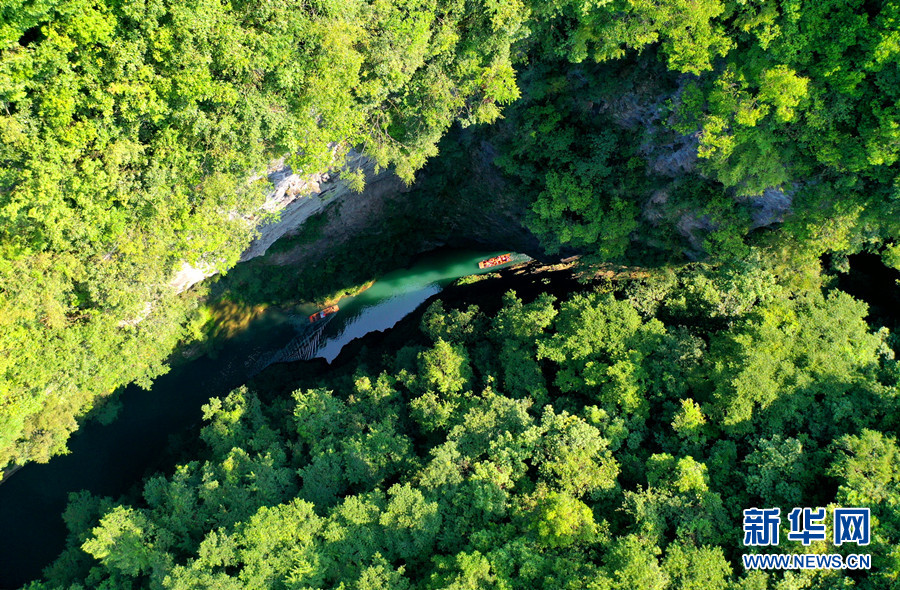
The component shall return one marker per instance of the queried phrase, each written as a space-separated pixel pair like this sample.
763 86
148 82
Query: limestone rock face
295 197
300 197
188 276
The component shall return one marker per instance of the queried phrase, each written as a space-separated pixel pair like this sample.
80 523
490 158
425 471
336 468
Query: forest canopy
606 440
641 119
135 136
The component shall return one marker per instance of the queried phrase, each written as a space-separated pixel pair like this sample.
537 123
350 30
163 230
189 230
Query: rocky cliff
297 197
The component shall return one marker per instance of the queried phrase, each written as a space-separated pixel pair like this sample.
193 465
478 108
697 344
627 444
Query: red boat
495 261
321 314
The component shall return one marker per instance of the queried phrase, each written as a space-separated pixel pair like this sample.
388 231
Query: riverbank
353 241
341 249
343 245
4 476
528 279
109 459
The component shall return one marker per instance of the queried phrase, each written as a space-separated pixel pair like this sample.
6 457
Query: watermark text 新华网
762 527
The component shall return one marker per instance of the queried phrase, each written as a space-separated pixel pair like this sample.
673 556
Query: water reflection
385 303
108 459
378 317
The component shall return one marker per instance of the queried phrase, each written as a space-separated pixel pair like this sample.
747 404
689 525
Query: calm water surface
107 460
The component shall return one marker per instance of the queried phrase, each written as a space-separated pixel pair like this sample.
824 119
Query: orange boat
321 314
495 261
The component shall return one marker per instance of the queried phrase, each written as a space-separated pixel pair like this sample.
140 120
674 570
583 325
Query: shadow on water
396 294
109 459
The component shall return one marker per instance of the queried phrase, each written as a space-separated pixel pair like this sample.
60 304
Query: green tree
562 520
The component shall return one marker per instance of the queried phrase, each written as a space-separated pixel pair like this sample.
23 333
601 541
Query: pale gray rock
294 198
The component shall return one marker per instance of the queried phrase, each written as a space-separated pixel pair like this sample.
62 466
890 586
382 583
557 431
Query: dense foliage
130 130
132 139
606 441
789 102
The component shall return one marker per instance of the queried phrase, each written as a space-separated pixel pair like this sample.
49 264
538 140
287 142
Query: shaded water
396 294
108 460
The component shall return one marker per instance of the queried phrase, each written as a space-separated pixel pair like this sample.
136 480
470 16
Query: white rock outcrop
296 198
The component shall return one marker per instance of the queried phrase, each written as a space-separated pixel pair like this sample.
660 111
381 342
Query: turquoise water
108 460
396 294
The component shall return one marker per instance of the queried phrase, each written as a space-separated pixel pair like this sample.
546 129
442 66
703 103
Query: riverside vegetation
129 131
606 440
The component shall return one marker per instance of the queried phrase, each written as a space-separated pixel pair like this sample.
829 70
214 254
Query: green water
108 460
396 294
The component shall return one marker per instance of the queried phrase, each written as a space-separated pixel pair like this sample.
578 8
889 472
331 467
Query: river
109 459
